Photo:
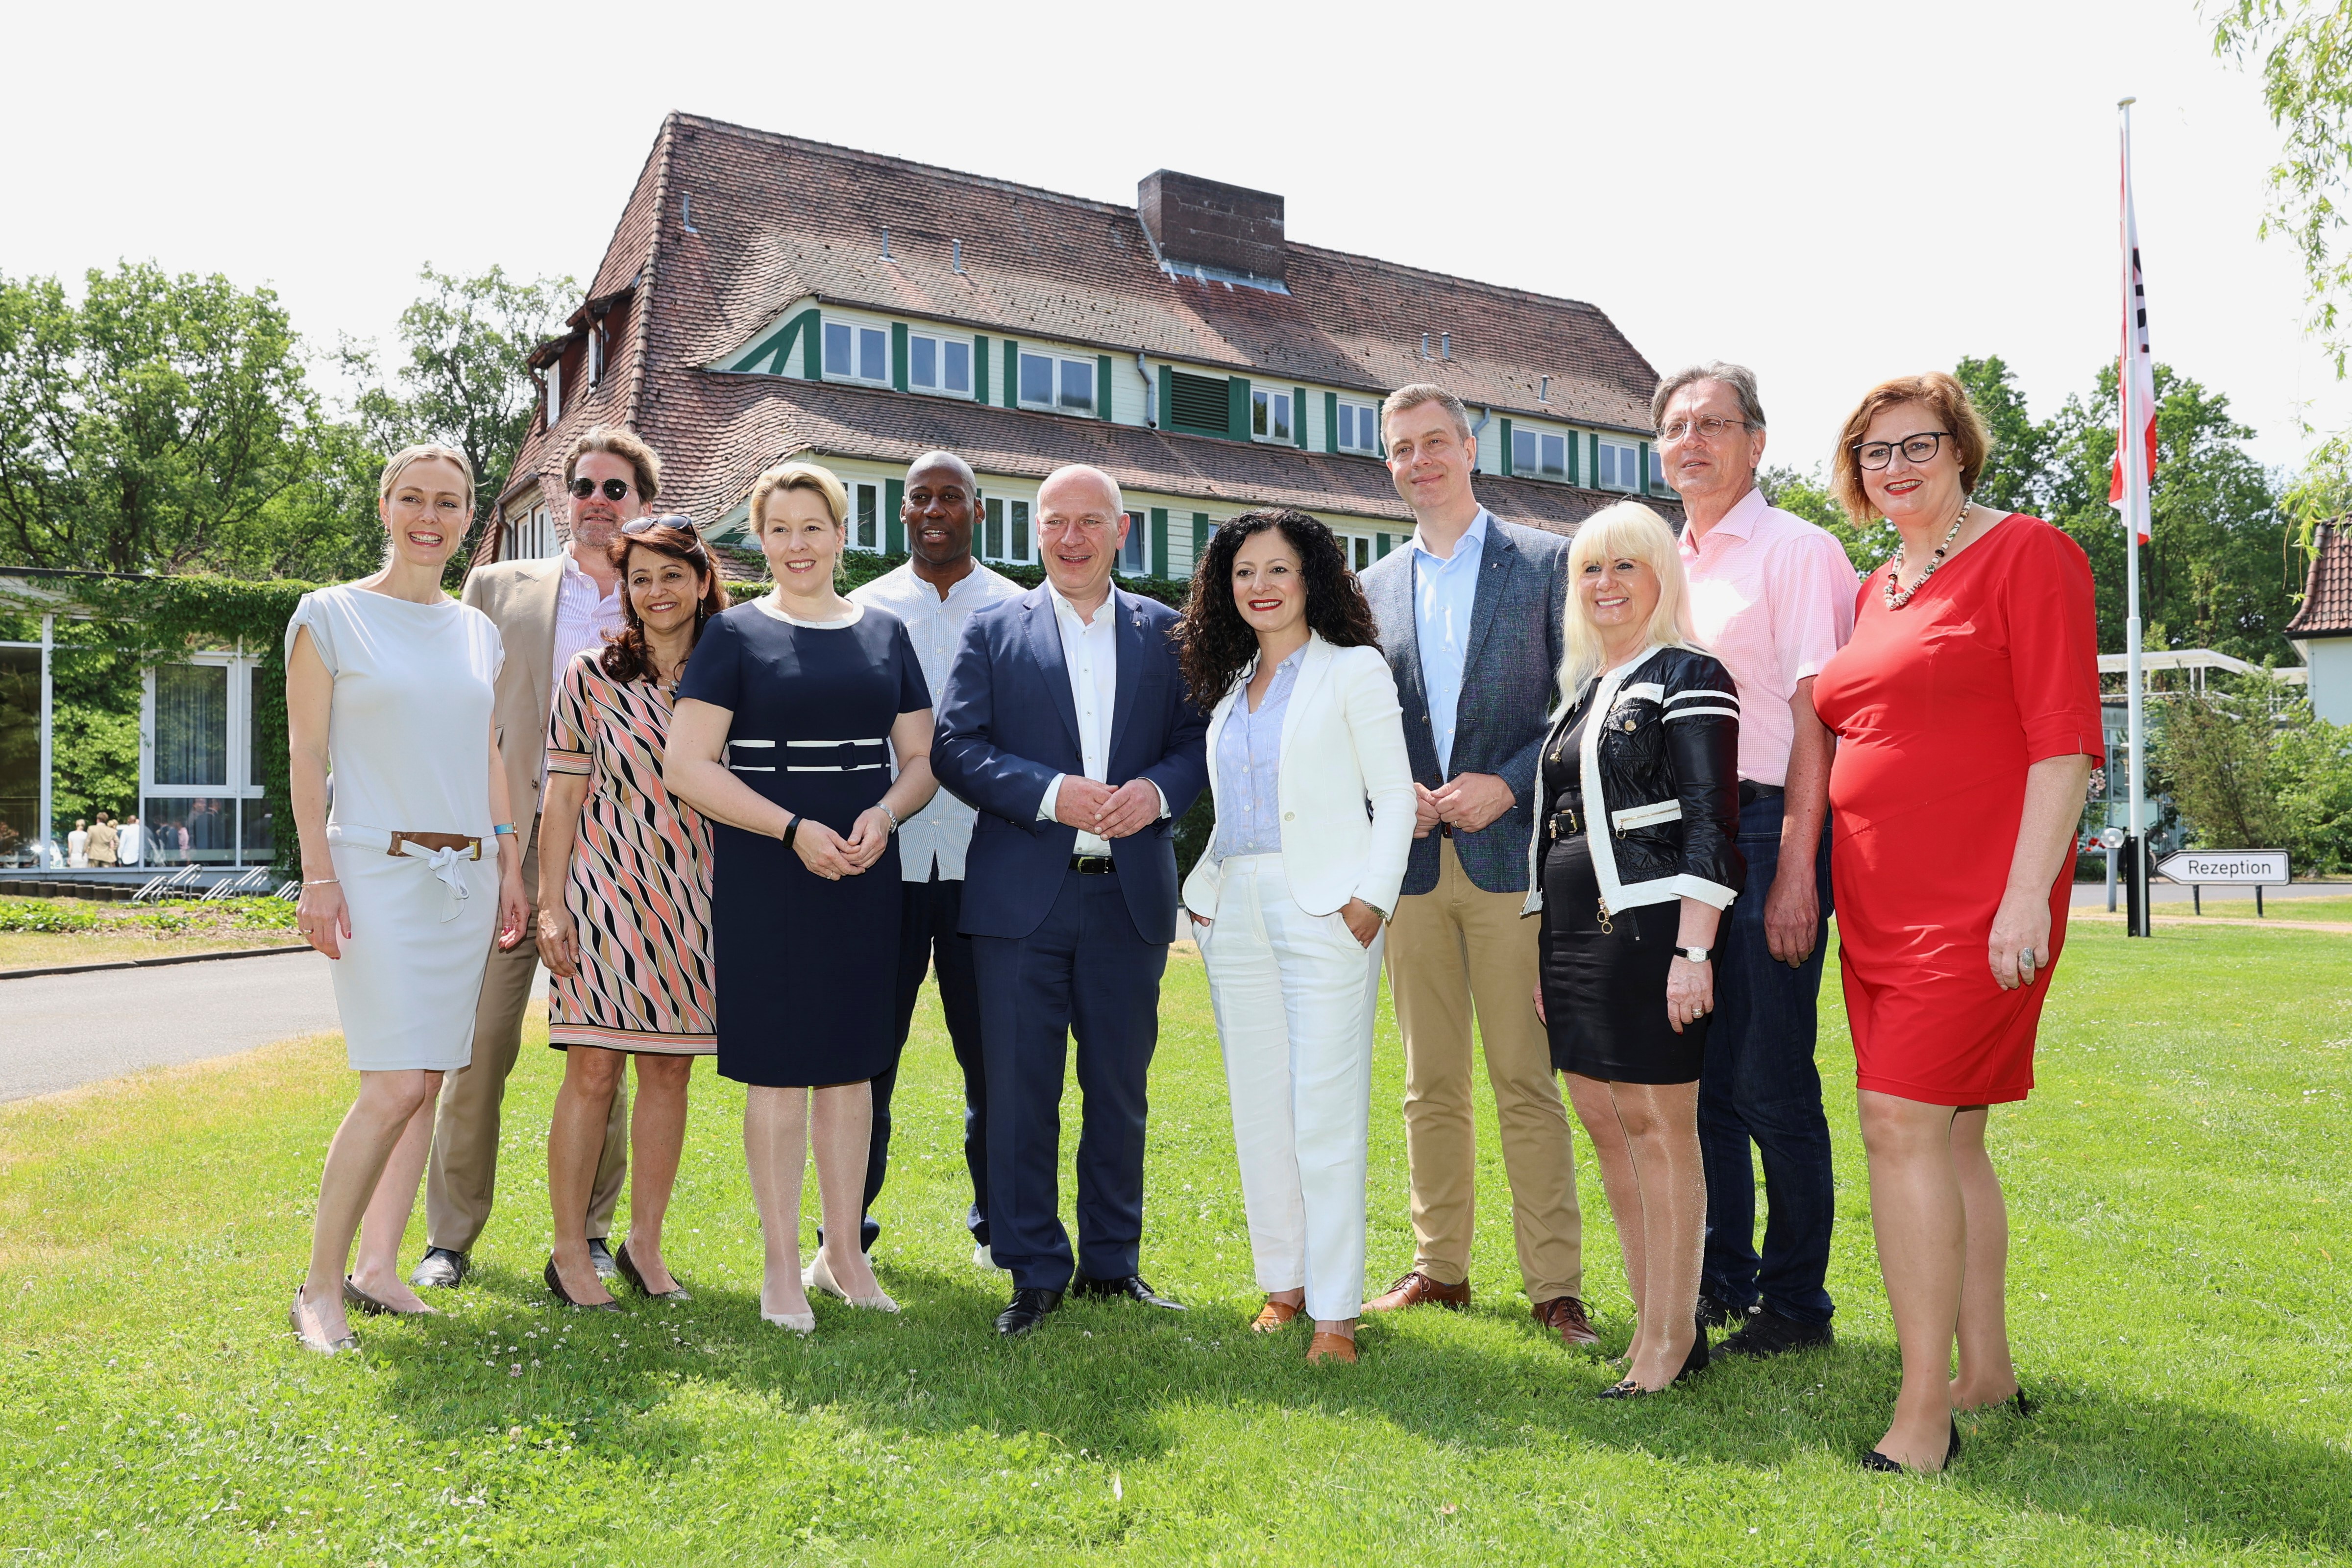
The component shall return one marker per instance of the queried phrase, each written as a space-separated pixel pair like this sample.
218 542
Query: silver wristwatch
1696 955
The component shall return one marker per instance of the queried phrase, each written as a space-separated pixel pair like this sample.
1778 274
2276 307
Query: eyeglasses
1917 449
1710 429
615 490
645 524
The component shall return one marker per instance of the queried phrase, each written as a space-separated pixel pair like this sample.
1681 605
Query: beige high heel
800 1323
818 1275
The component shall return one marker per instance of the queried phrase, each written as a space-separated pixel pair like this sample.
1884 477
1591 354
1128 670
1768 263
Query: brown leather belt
436 841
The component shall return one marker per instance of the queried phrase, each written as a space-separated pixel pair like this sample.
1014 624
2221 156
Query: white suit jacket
1345 784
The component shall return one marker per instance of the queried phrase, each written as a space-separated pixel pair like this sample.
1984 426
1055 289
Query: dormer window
855 352
939 364
1360 427
1064 385
1270 416
1620 467
1538 455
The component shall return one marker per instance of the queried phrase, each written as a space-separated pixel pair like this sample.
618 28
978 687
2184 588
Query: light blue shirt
1249 767
1443 592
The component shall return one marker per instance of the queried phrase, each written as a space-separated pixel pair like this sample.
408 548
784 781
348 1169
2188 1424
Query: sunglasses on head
615 490
645 524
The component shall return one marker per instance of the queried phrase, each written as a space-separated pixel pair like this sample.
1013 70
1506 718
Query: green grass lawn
2299 909
2180 1297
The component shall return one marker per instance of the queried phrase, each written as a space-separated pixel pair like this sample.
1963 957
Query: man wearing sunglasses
548 612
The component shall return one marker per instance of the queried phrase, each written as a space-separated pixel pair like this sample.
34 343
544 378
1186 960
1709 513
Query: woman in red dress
1966 710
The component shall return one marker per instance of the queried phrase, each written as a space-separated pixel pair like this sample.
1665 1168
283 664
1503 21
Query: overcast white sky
1831 192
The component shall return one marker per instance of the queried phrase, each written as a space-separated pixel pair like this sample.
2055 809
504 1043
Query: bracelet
791 828
895 822
323 882
497 829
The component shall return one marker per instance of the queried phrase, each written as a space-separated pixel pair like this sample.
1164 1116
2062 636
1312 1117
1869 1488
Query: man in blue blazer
1067 724
1470 617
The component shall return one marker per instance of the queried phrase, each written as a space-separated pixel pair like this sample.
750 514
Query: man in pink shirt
1773 597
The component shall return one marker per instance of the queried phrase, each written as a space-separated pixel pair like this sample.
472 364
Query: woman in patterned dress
628 939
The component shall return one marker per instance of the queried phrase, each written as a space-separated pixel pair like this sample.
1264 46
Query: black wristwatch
791 829
1696 954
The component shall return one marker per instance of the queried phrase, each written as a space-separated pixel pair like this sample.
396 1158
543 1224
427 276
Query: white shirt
1091 652
583 619
941 833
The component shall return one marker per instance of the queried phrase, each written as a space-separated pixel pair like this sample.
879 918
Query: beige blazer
1345 784
519 598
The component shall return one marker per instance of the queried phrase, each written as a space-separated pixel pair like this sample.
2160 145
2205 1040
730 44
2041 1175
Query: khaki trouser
459 1184
1450 948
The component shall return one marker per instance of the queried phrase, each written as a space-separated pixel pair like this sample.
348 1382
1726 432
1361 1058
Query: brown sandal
1331 1347
1274 1315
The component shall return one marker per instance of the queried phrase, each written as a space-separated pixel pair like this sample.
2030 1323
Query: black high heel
1878 1463
1697 1362
555 1284
2020 1406
621 1260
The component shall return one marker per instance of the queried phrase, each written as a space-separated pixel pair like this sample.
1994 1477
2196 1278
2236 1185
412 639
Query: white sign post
2226 868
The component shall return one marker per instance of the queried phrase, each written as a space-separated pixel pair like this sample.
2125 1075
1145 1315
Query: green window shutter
1594 453
894 496
1159 539
1330 423
1298 415
1643 458
1237 407
1012 374
1384 543
1507 448
812 346
1102 387
1573 444
898 355
1167 397
1200 534
980 369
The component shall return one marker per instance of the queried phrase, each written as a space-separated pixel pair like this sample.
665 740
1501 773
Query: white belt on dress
442 863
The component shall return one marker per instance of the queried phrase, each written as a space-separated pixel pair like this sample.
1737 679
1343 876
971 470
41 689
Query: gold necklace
1896 601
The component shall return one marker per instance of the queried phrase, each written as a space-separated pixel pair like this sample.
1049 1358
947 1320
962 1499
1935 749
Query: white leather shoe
818 1275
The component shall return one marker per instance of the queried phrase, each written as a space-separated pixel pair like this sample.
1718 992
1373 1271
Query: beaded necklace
1896 601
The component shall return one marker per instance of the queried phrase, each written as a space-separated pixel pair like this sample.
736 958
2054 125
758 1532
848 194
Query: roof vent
957 253
1445 345
1214 231
886 246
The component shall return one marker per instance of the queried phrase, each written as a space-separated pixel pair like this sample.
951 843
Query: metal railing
163 885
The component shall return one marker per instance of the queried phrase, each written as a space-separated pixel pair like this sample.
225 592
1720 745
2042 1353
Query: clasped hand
831 855
1095 807
1468 802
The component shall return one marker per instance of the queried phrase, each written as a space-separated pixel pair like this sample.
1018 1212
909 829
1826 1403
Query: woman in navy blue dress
788 718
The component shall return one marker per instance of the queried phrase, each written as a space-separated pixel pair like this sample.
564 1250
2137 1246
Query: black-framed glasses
615 490
1711 429
647 524
1917 449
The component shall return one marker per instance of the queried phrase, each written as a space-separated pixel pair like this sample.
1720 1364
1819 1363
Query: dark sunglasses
645 524
615 490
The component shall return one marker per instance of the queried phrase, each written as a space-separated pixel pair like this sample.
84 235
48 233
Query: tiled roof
2327 609
777 218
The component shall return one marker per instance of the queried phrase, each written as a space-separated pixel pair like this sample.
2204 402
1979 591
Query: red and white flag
2136 380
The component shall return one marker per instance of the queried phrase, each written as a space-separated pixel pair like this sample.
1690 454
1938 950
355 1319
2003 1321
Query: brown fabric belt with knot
436 841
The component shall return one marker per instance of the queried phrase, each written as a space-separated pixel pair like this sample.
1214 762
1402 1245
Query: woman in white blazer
1315 816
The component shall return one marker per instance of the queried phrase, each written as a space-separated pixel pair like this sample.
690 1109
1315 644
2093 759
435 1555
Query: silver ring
2025 956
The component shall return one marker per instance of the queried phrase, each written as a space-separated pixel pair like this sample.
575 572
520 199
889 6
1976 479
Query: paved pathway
58 1031
2088 894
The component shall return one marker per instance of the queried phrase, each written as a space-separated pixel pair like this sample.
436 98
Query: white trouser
1295 996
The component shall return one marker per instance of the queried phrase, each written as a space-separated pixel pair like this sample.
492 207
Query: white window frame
1138 544
1061 363
825 324
1536 433
554 391
529 537
940 346
1657 472
1629 457
1364 415
1361 548
1266 402
860 492
1014 520
239 789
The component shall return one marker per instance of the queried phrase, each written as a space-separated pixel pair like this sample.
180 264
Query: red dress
1939 707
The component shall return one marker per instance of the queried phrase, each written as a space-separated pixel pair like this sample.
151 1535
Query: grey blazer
1509 687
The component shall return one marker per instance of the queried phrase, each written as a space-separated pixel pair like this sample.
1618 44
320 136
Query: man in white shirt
935 594
1772 596
548 612
1065 721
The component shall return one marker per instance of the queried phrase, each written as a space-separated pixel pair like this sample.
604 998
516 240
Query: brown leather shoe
1326 1347
1414 1288
1274 1315
1566 1314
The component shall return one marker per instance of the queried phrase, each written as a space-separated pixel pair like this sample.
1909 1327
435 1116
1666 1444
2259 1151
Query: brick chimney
1225 229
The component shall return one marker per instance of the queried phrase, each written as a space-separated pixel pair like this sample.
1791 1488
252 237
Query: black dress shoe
440 1268
1769 1333
1879 1464
1714 1314
1695 1362
1028 1310
601 1255
1132 1286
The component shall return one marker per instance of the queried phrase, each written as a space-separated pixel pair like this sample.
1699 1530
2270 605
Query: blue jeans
1758 1081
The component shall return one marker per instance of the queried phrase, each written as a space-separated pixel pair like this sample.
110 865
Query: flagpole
2133 420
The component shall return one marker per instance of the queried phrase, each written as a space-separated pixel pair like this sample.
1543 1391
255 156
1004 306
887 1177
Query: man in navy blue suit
1067 724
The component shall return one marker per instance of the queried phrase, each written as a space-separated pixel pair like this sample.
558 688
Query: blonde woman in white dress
388 688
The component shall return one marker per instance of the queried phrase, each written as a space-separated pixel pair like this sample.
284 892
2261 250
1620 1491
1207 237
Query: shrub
43 915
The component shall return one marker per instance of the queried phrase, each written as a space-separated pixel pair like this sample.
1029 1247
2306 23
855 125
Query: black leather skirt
1605 990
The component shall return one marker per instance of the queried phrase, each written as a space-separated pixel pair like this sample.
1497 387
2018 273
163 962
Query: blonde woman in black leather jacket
1633 860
